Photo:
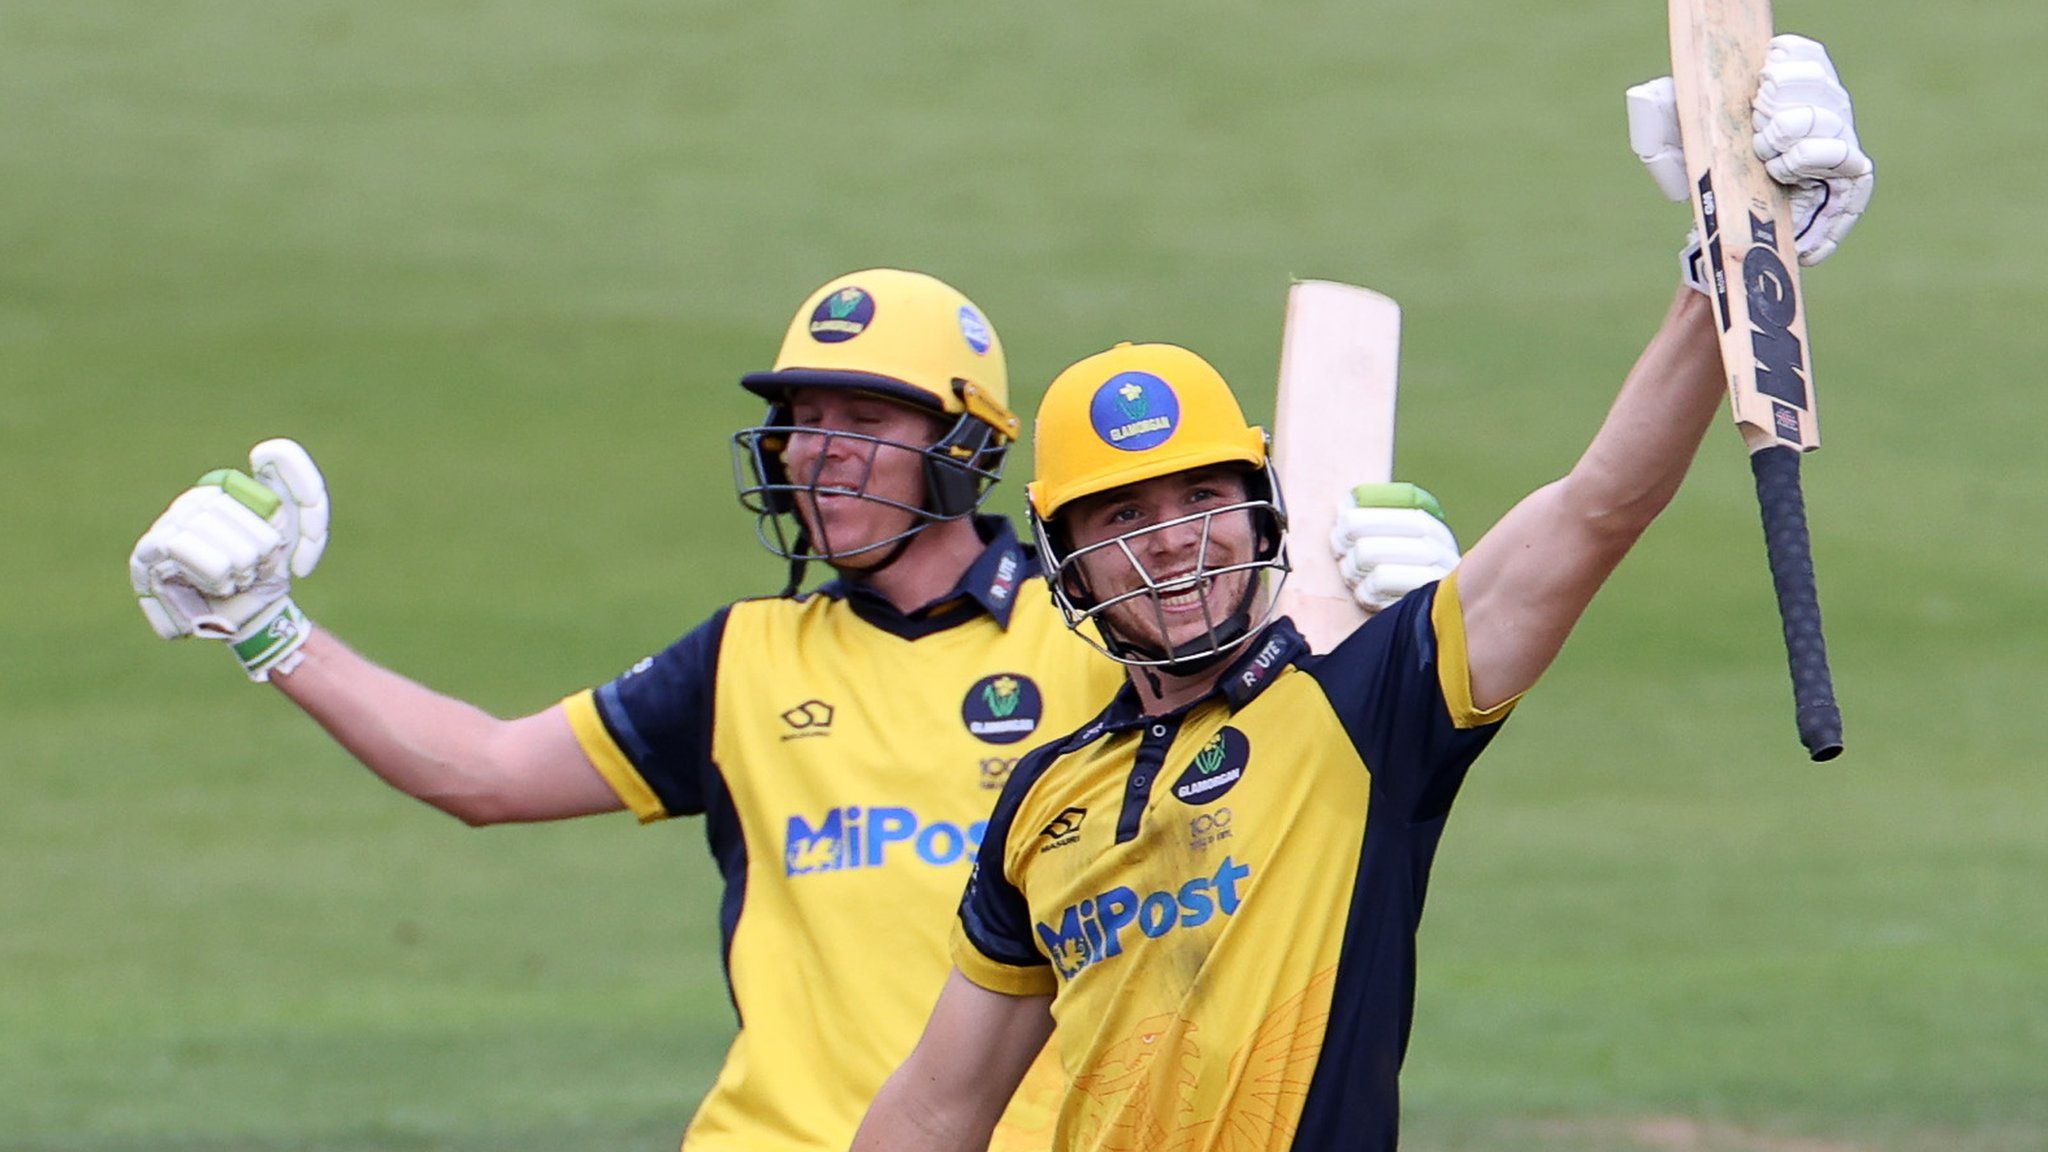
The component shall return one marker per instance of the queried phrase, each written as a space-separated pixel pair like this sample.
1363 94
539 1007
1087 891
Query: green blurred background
499 263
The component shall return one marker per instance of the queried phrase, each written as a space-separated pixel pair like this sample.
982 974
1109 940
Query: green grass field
499 264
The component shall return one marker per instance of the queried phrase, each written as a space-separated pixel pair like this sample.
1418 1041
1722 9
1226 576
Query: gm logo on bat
1773 309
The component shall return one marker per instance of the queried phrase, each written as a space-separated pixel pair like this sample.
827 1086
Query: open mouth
1181 594
834 495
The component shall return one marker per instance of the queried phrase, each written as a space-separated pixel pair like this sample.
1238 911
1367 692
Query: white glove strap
1692 265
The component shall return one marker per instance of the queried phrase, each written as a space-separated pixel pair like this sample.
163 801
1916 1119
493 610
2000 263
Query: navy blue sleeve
1383 683
660 713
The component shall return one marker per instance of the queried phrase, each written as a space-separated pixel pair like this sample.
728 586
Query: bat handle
1791 558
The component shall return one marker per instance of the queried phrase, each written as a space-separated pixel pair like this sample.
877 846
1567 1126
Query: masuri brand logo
1064 829
810 718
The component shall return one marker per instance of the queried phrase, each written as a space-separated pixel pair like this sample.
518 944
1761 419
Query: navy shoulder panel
1382 681
660 714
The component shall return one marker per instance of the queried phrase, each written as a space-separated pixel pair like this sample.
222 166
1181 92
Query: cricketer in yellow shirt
1223 900
1233 854
844 756
846 752
1208 896
844 747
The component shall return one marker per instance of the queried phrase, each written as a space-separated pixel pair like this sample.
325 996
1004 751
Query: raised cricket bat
1718 47
1333 427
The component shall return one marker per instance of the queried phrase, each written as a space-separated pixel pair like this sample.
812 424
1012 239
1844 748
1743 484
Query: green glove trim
268 642
1396 495
245 488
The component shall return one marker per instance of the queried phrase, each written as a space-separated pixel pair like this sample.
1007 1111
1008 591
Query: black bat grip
1791 557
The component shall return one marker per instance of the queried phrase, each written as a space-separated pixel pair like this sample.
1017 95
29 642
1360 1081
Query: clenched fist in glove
1805 135
1390 541
218 564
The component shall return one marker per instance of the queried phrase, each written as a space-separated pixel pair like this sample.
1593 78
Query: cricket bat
1333 427
1718 47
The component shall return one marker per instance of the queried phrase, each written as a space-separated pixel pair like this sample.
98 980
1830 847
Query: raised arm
219 564
953 1086
468 763
1525 583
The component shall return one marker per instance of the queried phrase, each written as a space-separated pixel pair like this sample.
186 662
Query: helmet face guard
1226 624
959 470
896 335
1134 414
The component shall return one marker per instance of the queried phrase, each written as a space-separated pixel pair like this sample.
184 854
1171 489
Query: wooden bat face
1718 48
1333 427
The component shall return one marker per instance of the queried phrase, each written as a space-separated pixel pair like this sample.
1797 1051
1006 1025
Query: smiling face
855 461
1172 560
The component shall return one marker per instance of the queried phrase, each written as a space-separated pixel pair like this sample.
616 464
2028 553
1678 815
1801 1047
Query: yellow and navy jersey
1223 900
845 756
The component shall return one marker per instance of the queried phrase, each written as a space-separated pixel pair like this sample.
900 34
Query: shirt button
1138 781
1159 729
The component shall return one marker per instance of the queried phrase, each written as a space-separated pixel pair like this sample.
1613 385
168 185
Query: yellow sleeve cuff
611 763
1453 672
1008 979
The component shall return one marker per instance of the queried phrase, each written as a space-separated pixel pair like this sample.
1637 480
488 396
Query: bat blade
1333 427
1718 49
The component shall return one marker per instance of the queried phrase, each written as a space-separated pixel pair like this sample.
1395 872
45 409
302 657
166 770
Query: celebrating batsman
844 747
1208 895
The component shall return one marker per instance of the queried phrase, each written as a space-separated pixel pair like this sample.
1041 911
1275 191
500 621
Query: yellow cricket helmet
899 334
903 336
1135 412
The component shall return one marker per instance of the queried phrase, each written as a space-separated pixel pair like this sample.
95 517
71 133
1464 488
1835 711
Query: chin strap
796 579
800 545
1234 630
1152 678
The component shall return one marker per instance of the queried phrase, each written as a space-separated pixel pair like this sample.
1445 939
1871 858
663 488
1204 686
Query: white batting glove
1390 540
218 564
1805 135
1653 133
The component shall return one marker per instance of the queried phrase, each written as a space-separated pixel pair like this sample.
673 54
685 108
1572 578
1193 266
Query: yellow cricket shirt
1223 900
845 757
